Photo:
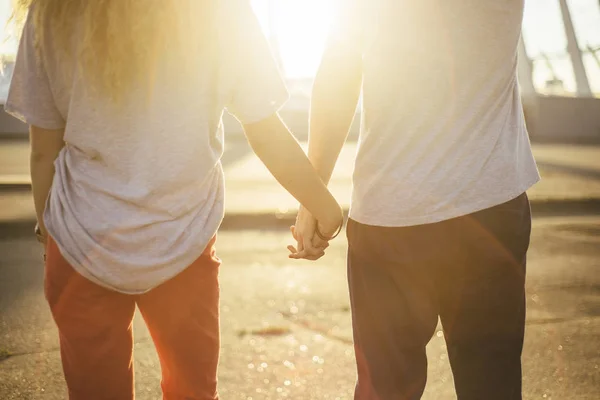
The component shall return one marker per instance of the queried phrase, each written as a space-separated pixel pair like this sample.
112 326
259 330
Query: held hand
309 246
41 234
42 237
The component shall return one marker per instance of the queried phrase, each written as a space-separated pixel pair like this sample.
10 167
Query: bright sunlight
297 29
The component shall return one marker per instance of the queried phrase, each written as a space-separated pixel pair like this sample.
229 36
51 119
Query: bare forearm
285 159
42 173
335 96
45 147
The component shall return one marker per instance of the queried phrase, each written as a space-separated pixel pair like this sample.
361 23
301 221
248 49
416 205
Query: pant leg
95 331
394 308
183 318
482 301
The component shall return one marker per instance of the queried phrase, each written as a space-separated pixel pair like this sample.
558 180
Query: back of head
117 44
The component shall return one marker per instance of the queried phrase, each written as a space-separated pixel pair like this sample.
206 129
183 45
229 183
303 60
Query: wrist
40 235
335 219
330 236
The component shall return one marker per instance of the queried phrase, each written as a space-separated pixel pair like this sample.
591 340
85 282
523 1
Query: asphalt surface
286 324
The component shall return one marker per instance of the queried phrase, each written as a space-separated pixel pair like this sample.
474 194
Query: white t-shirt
138 194
442 130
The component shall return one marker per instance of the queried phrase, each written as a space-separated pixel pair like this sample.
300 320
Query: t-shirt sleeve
253 83
30 97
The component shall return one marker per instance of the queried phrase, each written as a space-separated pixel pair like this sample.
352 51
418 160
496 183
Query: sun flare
298 30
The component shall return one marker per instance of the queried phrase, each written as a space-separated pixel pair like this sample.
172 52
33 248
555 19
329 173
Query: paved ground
286 325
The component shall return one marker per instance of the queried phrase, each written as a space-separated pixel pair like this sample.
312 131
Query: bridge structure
552 112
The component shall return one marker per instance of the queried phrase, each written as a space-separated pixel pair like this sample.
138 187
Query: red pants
96 336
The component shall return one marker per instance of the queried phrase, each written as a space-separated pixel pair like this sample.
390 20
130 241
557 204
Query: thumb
293 230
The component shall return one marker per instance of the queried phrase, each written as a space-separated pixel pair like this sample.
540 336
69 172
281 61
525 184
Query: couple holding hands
124 99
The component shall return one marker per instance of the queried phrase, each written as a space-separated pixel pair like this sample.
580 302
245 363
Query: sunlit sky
301 27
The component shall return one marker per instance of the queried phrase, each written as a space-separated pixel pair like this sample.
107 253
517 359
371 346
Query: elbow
43 156
37 157
340 69
332 90
263 134
45 144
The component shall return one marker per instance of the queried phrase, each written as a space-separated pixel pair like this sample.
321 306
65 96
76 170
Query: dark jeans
469 271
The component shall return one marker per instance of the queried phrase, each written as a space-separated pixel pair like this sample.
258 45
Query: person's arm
253 91
282 155
336 91
45 146
337 87
30 99
335 95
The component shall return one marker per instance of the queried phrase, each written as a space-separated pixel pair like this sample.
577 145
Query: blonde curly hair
119 42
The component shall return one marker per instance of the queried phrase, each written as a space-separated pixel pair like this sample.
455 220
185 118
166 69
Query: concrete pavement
286 329
570 182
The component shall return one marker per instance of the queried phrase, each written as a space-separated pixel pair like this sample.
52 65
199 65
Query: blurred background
286 325
560 54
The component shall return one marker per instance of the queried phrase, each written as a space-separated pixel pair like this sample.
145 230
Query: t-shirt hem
181 266
391 221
